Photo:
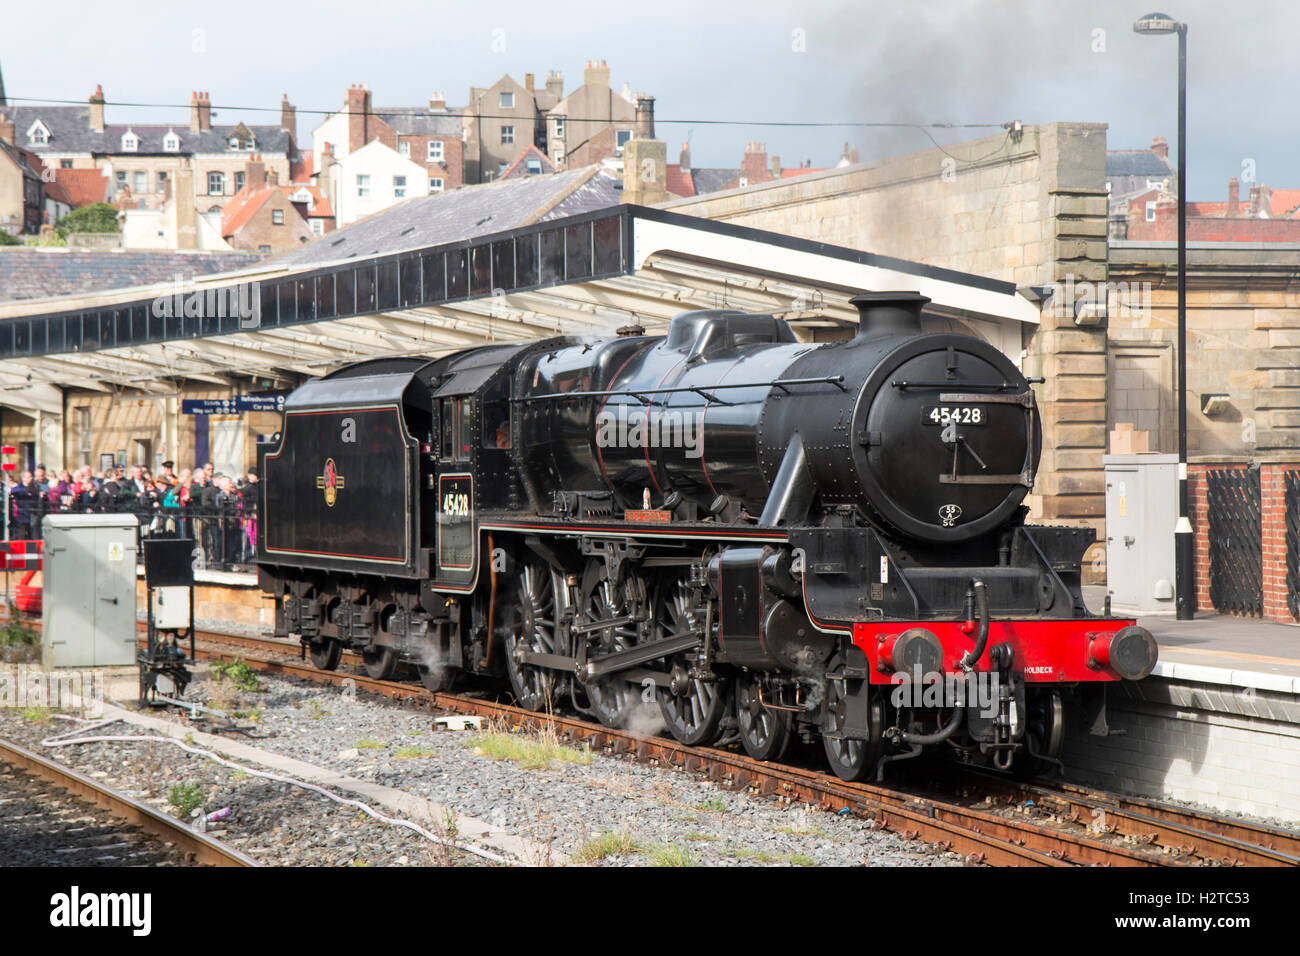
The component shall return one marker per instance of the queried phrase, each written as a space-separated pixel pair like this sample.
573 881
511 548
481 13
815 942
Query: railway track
985 817
52 815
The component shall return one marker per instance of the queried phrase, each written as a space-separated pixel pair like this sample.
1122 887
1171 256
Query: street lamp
1159 24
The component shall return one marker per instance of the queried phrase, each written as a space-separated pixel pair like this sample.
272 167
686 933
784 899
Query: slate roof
33 273
70 131
712 180
1136 162
462 214
420 121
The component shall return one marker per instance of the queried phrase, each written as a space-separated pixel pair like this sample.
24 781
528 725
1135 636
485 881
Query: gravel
670 816
276 824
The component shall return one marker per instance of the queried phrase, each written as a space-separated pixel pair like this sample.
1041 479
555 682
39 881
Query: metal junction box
1141 514
89 603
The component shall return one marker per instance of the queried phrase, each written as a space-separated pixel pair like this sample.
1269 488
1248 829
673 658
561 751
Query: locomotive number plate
954 414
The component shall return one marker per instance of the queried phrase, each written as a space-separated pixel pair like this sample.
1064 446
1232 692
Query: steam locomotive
745 535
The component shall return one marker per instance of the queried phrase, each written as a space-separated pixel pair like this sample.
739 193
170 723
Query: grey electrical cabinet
88 608
1141 514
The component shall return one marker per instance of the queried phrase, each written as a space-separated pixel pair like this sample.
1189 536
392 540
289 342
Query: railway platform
1217 723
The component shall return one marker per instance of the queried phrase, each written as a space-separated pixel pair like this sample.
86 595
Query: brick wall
1272 488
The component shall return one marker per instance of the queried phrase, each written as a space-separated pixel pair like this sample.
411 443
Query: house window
38 137
121 179
317 227
435 150
263 248
435 185
130 142
534 167
171 143
162 181
559 127
239 181
363 186
65 164
621 137
399 187
507 101
507 134
501 167
1151 212
277 217
141 183
216 184
404 147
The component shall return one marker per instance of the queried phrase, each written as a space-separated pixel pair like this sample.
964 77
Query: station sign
270 402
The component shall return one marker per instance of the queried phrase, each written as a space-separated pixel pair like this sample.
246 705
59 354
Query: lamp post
1159 24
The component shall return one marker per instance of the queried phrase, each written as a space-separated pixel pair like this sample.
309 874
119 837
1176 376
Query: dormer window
130 142
171 142
38 134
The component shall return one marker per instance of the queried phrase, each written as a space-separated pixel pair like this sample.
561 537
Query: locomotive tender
750 535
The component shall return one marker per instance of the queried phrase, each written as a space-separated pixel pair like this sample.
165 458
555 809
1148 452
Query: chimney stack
254 173
1234 196
644 127
775 167
272 177
684 158
528 83
358 107
596 74
437 100
555 84
200 112
288 115
753 167
1160 146
97 109
6 129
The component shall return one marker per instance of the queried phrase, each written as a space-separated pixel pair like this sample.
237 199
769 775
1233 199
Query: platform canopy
375 290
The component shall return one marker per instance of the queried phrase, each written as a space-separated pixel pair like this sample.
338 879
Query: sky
919 62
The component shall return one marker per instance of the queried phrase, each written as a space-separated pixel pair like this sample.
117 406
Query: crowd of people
219 512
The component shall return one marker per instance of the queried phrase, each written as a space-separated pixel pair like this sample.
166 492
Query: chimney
775 167
596 74
882 314
437 100
272 177
1160 146
6 129
644 126
358 107
182 182
1254 202
97 109
288 115
528 83
753 167
200 112
324 179
684 158
1234 196
254 173
555 84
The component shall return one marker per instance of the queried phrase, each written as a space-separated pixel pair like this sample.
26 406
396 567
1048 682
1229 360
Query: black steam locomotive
747 535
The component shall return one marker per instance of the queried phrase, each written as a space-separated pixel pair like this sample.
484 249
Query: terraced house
141 160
